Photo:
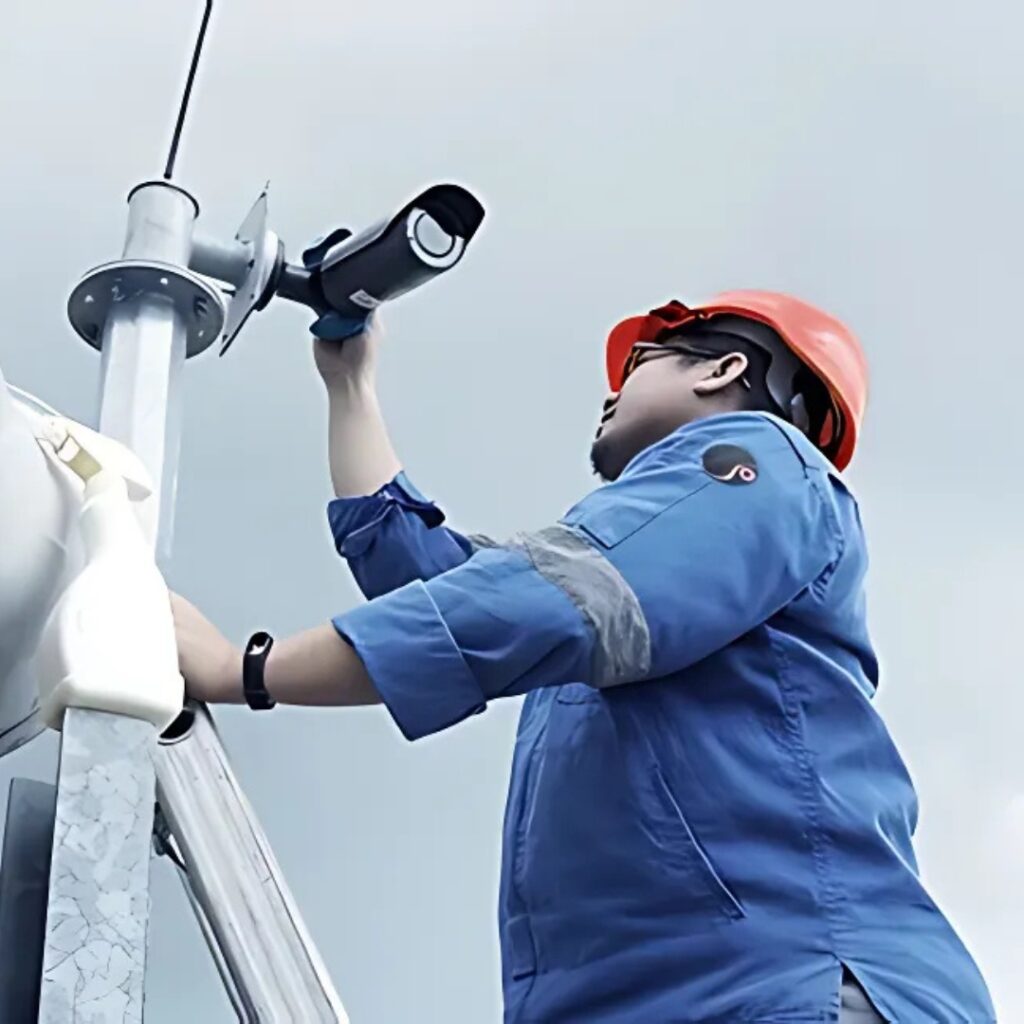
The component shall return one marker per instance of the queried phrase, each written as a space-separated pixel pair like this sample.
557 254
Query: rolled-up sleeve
438 651
394 537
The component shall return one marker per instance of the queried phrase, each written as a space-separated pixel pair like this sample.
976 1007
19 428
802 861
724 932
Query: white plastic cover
109 642
40 549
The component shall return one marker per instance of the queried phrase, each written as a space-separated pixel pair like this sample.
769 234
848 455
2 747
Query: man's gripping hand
351 363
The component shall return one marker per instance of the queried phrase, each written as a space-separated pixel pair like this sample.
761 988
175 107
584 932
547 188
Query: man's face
658 397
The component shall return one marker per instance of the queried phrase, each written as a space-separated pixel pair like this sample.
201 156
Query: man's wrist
354 388
229 688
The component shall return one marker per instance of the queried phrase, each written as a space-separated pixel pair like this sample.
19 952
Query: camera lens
431 237
430 242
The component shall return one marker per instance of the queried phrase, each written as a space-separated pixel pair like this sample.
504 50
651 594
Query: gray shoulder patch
622 648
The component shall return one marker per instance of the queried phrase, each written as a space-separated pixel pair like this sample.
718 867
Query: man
707 820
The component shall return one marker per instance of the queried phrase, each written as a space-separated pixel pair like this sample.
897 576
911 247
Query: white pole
143 351
98 910
148 312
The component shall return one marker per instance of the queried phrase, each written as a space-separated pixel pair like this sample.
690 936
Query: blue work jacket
707 818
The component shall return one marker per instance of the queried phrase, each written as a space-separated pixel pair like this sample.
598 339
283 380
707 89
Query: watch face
259 644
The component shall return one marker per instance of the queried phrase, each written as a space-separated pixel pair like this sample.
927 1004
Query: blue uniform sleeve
394 537
707 535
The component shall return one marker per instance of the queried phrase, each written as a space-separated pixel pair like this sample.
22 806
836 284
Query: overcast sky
865 155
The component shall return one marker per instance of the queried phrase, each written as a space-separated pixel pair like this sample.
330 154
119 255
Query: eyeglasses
642 352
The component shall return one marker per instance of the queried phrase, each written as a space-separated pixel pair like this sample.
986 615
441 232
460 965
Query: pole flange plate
199 304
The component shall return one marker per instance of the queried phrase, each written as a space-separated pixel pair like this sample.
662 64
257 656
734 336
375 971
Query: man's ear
720 373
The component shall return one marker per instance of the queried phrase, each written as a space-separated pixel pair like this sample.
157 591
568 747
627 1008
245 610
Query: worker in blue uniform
707 820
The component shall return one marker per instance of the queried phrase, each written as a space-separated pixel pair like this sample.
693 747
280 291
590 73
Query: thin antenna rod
173 154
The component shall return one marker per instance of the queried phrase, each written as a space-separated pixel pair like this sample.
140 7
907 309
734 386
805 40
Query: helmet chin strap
798 414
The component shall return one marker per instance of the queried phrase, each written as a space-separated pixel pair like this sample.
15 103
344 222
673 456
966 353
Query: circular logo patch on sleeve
730 464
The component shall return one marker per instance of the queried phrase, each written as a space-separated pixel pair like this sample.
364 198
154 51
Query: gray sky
864 155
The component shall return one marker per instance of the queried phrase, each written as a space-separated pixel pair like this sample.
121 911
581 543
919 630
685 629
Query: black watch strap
253 662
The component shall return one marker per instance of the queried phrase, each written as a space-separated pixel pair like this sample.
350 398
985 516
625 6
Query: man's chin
605 459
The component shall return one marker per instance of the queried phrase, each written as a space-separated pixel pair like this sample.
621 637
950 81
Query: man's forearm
317 667
361 454
312 668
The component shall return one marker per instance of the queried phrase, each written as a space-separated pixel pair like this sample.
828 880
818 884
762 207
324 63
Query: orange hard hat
824 345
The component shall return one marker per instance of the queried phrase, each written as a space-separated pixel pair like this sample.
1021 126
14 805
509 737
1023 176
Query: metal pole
238 884
24 881
94 951
143 351
148 312
229 261
98 911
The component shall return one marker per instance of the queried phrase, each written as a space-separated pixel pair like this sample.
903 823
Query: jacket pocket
608 861
690 849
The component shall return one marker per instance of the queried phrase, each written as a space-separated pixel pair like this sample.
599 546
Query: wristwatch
253 661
